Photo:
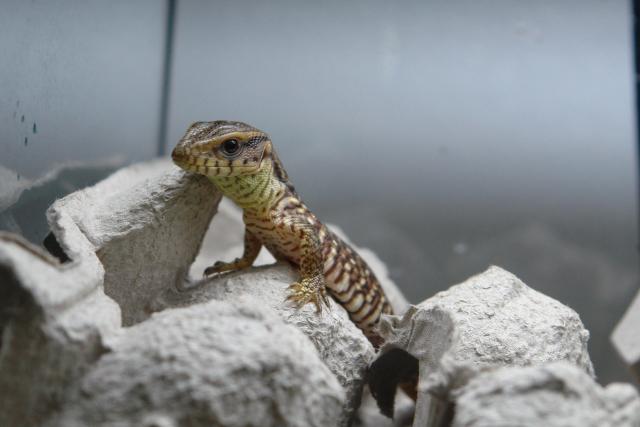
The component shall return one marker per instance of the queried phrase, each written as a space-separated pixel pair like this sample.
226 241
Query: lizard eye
230 147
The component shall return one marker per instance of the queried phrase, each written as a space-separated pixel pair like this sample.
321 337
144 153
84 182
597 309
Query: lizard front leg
312 287
252 248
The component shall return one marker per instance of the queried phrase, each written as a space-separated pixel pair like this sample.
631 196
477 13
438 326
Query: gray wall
446 135
463 103
86 73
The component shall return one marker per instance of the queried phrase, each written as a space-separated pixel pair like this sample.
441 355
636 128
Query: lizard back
349 279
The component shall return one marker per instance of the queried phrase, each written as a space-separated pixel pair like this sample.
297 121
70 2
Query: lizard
242 163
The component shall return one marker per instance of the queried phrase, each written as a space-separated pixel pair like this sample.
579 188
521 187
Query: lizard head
222 148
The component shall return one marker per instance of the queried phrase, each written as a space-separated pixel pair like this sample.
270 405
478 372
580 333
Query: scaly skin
240 160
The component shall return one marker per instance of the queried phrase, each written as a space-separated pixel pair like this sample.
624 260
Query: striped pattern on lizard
241 161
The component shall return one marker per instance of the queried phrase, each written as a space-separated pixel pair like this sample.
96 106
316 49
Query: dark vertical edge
166 76
635 4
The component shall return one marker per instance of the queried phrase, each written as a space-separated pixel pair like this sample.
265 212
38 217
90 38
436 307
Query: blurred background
445 135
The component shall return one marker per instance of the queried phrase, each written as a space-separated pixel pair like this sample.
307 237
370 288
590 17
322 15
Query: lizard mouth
186 160
190 163
179 157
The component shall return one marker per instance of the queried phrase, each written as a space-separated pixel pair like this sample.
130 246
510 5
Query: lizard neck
258 191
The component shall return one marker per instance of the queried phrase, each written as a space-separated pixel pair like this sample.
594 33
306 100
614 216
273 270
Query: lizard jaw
186 159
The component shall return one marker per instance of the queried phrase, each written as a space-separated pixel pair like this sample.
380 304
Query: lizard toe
302 294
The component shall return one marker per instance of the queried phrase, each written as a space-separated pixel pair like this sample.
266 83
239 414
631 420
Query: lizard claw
217 267
308 291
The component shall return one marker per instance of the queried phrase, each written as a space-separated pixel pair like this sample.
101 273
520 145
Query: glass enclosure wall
80 92
446 136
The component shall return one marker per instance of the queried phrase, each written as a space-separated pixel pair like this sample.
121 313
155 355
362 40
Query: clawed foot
309 291
221 267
